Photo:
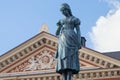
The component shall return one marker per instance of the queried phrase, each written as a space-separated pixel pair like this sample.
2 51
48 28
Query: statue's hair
67 7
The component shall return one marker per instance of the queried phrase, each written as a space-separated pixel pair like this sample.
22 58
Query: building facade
34 60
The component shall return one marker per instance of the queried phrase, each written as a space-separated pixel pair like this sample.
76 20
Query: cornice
98 58
83 74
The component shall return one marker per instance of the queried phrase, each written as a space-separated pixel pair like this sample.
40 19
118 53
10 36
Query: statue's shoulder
76 20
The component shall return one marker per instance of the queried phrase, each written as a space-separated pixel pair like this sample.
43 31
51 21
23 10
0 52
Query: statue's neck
68 17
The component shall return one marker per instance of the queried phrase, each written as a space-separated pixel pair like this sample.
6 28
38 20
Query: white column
9 61
33 78
100 62
22 79
23 52
27 49
0 66
97 75
41 42
61 78
95 60
111 65
85 56
47 41
55 78
50 78
4 63
91 75
80 76
39 78
56 44
36 44
74 77
90 58
51 43
103 74
115 73
28 78
44 78
18 55
109 73
105 64
32 47
86 77
13 58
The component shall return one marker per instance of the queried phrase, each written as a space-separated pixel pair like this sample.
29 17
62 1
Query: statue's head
65 7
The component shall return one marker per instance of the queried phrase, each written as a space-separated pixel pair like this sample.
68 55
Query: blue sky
22 19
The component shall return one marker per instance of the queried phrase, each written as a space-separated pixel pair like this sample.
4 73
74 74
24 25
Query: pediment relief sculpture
42 61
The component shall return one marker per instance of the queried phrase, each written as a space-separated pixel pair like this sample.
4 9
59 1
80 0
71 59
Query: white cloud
105 35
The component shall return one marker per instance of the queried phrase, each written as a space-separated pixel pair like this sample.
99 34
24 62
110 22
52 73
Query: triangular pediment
37 54
16 56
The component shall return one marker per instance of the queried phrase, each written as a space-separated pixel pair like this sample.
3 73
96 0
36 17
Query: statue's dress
68 45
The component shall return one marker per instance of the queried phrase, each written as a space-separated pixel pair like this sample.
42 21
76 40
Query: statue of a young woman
69 42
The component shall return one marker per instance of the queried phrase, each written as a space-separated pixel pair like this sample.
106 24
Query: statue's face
65 12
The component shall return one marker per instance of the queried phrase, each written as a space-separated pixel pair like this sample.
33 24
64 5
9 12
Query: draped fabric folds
68 46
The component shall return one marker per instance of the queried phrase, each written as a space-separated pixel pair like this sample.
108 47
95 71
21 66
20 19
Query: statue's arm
77 24
59 28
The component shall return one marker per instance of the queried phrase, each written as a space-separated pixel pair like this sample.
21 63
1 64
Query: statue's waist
69 29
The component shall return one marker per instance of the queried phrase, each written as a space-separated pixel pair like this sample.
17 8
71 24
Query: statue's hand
57 33
57 36
79 46
79 43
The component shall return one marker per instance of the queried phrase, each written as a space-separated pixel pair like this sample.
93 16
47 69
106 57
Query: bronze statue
69 42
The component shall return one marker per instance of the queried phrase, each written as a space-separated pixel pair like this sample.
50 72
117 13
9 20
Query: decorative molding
97 56
83 75
97 60
44 60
